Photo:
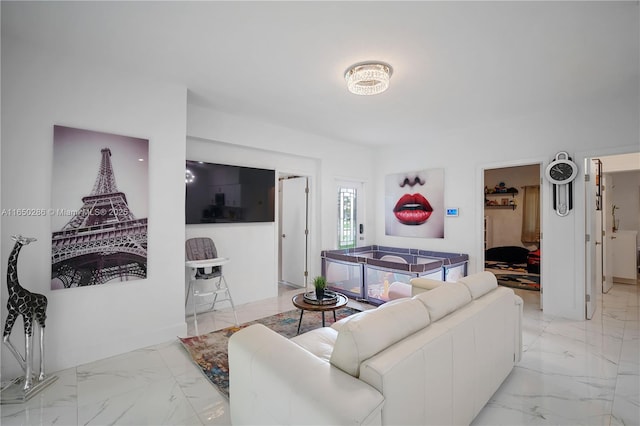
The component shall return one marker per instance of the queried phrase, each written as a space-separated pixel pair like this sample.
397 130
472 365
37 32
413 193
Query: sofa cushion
398 290
319 342
480 283
365 334
338 324
421 284
445 299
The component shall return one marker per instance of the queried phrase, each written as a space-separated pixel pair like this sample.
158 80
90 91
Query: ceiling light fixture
368 78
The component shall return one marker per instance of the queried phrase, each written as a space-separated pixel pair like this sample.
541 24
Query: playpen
367 272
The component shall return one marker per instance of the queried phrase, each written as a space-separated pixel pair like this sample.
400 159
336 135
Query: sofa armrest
420 285
272 380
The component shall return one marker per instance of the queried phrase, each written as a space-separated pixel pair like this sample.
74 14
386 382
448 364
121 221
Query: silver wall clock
561 172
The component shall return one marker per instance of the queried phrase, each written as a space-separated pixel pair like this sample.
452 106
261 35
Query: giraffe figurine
31 306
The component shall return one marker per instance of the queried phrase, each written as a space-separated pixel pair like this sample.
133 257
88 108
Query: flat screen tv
221 193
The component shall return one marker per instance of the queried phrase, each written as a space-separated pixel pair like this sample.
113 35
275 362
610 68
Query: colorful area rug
521 281
209 351
505 266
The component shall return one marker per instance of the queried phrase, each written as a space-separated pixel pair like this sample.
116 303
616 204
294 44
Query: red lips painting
412 209
414 204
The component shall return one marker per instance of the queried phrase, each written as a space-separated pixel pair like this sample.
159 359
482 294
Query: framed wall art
99 208
414 204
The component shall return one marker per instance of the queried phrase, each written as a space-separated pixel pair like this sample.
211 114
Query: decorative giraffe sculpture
31 306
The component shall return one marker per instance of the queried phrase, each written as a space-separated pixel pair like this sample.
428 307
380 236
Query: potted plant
320 283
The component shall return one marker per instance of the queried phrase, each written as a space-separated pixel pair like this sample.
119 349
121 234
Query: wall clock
561 172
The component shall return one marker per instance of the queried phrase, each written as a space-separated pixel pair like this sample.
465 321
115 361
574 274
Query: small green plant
320 282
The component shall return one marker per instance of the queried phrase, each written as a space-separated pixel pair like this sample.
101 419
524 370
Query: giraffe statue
31 306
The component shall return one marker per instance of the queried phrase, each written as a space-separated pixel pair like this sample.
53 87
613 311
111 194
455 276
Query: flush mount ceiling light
368 78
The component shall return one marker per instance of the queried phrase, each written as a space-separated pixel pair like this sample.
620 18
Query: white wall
604 121
252 247
621 163
215 136
585 130
626 195
39 91
507 223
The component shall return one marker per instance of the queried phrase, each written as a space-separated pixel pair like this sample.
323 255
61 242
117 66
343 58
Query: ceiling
455 63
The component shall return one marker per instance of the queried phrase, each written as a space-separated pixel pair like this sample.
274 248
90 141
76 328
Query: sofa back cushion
421 284
445 299
365 334
480 283
319 341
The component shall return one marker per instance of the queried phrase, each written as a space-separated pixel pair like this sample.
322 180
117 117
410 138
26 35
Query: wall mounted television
222 193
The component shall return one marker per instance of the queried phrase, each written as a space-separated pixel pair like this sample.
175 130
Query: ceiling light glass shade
368 78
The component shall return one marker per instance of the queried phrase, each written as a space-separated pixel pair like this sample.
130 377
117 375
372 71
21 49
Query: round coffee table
300 303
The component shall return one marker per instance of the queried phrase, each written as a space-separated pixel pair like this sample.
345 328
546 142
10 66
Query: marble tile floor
571 373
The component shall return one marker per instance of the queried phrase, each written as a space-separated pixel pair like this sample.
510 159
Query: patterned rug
521 281
505 266
209 351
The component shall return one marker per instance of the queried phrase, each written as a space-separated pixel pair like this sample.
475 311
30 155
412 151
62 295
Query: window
347 233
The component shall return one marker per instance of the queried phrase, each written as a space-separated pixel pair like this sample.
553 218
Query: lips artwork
413 204
412 209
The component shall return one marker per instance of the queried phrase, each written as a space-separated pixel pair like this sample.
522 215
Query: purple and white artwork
99 208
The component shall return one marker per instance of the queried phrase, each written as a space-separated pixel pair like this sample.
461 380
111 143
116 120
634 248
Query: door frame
307 246
607 244
543 211
593 262
582 225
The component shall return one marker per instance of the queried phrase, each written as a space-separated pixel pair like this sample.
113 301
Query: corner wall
582 130
216 136
40 90
252 273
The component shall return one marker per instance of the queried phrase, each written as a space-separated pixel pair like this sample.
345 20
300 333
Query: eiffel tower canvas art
99 236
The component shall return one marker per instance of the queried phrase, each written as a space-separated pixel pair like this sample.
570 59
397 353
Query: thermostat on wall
452 212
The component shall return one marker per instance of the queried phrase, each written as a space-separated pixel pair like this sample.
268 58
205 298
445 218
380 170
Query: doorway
512 224
612 186
293 230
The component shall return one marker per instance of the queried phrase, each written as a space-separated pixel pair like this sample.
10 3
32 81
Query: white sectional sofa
398 290
435 358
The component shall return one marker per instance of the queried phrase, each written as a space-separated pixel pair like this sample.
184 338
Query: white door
351 230
293 230
607 233
593 284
